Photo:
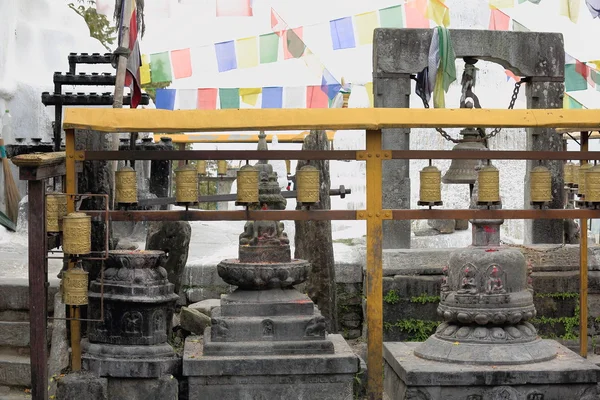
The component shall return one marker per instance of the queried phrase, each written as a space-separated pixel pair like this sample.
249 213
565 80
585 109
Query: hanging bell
568 173
592 187
308 185
488 178
56 209
463 171
222 167
583 169
126 185
540 186
247 185
430 188
186 185
77 234
201 167
74 287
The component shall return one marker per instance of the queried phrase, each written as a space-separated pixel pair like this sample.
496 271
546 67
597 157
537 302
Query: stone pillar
544 95
393 91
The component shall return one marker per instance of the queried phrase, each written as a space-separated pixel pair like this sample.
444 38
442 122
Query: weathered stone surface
461 224
15 294
415 261
442 225
408 286
348 273
124 244
205 306
14 368
266 303
193 320
196 294
14 334
164 388
58 359
262 276
81 385
173 238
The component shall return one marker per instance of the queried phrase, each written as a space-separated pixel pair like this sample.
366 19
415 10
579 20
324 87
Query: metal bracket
382 214
364 155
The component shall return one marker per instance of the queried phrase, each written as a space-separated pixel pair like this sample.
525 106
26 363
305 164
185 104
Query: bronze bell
463 171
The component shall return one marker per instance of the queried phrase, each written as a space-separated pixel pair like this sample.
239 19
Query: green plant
570 324
425 298
391 297
417 329
558 295
100 27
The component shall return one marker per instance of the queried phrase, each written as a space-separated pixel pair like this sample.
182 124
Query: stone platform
307 377
566 377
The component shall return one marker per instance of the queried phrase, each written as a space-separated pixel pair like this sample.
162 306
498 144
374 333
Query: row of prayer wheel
586 178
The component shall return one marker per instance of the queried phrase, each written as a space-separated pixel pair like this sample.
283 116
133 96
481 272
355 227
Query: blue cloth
272 97
330 85
165 99
342 33
2 152
226 59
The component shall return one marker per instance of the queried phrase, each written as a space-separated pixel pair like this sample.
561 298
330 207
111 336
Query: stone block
461 224
14 334
406 309
442 225
415 261
407 286
555 307
164 388
193 320
348 272
349 294
15 294
205 306
196 294
556 282
593 282
265 303
80 386
14 368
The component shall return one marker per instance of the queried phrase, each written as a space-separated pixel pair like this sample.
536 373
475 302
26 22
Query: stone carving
267 276
445 288
529 277
131 323
263 233
590 394
494 283
535 396
219 328
417 394
474 397
316 327
159 321
468 282
502 393
267 328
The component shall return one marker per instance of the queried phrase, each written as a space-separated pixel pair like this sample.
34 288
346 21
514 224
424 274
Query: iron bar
583 266
492 155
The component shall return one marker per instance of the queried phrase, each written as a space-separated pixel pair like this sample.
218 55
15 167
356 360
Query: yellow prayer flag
365 25
145 70
250 95
247 52
369 88
566 101
438 12
570 9
596 63
502 3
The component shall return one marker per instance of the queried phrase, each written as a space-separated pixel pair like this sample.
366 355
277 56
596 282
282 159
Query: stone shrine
267 340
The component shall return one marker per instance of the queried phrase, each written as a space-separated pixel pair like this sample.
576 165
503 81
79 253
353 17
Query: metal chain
533 249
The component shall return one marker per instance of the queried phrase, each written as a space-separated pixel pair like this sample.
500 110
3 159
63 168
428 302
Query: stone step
14 294
14 334
12 393
14 367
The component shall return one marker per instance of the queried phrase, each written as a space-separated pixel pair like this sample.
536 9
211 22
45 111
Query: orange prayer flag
182 63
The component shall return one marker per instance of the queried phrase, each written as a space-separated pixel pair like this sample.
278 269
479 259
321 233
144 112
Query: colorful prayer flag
293 46
105 7
145 70
511 75
226 60
165 99
570 103
594 7
187 99
596 63
329 84
234 8
295 97
269 48
570 9
134 61
573 80
595 77
415 14
502 3
498 20
342 33
247 52
250 95
278 25
182 63
316 98
160 67
369 89
207 99
229 98
272 97
518 27
391 17
582 69
438 12
365 25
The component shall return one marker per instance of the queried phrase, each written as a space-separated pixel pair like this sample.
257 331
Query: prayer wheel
583 169
186 185
222 167
592 186
77 234
576 175
307 184
56 209
568 169
430 188
541 185
489 185
126 186
74 287
247 185
201 167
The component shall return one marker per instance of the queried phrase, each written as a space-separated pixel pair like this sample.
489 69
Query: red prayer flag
293 44
316 98
510 74
498 20
182 63
415 14
278 25
207 99
582 69
134 61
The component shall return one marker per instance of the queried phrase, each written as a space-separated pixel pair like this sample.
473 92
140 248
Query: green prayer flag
574 104
517 27
269 48
229 98
595 77
391 17
573 79
160 67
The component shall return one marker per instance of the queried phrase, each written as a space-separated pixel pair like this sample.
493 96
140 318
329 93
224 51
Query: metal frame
372 120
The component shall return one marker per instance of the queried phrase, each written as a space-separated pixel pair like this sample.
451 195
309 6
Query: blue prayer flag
165 99
342 33
226 56
329 84
272 97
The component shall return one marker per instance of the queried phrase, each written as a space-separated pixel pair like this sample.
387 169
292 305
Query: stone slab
164 388
264 303
14 334
193 320
14 294
348 272
81 385
14 368
205 306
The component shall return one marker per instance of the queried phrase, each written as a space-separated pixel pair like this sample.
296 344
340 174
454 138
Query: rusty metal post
38 291
583 271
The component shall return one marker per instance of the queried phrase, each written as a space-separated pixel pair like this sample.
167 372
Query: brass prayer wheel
576 175
308 185
56 209
489 185
247 185
77 233
74 287
541 185
186 185
201 167
126 185
568 169
430 188
222 167
592 185
583 169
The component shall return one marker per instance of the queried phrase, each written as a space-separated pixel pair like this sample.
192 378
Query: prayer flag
316 98
250 95
570 103
165 99
510 74
269 48
207 99
594 7
365 25
295 97
160 67
391 17
573 80
595 77
134 61
105 7
582 69
182 63
569 59
229 98
277 23
438 12
293 46
570 9
226 60
329 84
596 63
247 52
145 70
312 62
517 27
369 88
342 33
498 20
187 99
272 97
415 14
234 8
501 3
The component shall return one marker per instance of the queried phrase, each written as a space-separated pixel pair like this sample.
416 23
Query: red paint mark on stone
489 229
490 250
